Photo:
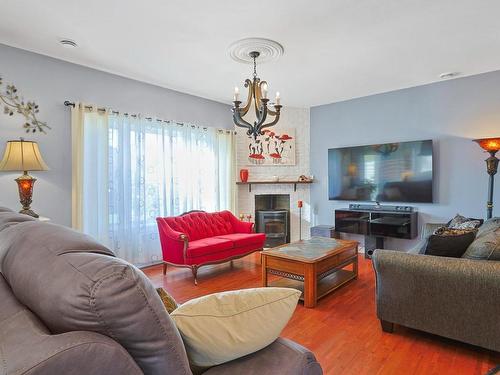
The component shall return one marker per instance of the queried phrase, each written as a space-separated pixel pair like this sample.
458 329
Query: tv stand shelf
294 183
392 221
376 224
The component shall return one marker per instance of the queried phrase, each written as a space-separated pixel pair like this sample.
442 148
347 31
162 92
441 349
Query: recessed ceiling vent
268 49
68 43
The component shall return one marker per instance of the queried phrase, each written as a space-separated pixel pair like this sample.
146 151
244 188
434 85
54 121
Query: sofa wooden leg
194 270
387 326
164 268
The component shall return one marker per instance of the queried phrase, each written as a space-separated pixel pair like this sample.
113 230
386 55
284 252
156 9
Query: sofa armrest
72 352
240 226
173 244
168 231
281 357
453 297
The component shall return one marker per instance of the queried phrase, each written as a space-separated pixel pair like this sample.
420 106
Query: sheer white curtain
152 168
89 130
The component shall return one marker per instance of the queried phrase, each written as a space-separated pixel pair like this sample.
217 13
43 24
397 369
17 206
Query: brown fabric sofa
452 297
69 306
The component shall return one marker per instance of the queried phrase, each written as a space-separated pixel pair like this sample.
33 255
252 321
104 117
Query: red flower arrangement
256 158
284 137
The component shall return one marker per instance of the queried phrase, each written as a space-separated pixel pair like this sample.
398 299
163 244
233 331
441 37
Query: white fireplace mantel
273 182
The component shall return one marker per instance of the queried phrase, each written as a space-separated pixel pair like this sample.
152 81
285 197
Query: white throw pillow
220 327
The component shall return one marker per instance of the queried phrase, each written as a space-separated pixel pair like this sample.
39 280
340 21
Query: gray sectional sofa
69 306
456 298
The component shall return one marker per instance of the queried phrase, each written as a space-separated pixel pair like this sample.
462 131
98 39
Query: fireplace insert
275 224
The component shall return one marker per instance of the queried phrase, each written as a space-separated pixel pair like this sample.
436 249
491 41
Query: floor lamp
491 145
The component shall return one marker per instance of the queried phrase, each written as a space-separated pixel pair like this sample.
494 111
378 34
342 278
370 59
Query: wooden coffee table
316 266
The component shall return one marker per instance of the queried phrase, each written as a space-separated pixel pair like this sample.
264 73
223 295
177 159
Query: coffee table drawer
347 254
285 265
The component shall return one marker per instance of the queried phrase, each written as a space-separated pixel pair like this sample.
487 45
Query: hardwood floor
342 331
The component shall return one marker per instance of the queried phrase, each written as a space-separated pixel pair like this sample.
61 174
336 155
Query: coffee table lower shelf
325 285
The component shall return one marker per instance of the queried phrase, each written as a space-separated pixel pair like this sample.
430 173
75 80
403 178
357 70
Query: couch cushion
208 246
245 239
281 357
11 224
487 242
221 327
72 283
10 306
168 301
221 256
447 242
490 225
27 347
198 225
485 247
9 218
462 222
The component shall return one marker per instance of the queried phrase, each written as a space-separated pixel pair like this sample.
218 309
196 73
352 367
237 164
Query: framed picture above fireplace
274 147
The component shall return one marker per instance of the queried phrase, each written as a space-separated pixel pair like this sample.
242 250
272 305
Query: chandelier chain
254 67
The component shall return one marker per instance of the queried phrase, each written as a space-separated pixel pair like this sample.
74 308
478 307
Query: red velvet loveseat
198 238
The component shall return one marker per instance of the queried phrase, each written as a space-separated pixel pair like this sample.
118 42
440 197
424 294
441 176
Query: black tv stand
377 222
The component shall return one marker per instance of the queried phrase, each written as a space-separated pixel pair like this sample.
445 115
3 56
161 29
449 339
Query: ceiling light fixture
257 94
449 75
68 43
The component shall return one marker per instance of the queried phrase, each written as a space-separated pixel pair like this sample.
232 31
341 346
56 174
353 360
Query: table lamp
491 145
23 156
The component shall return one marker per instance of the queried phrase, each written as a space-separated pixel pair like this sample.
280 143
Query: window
135 170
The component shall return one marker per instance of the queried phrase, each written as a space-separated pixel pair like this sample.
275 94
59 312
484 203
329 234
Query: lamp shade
22 155
489 144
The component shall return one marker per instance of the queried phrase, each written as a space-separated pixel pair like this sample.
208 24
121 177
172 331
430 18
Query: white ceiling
334 49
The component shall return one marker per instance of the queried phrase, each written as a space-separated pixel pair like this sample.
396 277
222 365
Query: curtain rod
67 103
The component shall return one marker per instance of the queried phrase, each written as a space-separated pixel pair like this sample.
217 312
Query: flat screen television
390 172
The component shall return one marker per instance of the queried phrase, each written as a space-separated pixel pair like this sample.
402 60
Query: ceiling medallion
257 96
268 50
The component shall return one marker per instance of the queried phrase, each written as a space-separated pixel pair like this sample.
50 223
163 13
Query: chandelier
257 97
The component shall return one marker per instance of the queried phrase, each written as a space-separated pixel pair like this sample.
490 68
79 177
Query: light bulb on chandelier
264 90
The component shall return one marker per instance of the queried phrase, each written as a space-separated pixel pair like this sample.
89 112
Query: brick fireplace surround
291 118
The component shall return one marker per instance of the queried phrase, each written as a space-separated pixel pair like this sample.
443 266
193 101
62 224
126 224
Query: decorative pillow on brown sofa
448 242
168 301
486 246
462 222
220 327
445 231
489 225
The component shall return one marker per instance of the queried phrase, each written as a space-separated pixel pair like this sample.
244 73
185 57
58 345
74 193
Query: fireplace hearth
272 217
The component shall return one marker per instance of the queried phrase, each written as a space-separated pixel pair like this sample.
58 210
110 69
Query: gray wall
451 113
49 82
